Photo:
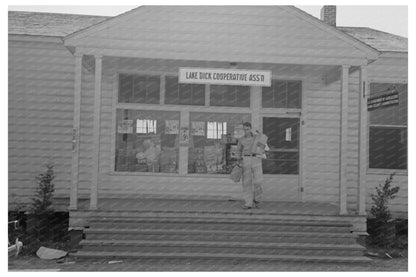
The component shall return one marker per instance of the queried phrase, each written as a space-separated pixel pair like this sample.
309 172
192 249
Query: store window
143 89
183 94
388 126
213 141
231 96
147 141
283 141
282 94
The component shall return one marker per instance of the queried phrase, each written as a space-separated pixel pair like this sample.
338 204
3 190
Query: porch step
175 234
222 256
219 235
215 247
230 224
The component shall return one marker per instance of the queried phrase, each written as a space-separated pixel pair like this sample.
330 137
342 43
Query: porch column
363 139
96 133
343 141
183 149
73 198
255 100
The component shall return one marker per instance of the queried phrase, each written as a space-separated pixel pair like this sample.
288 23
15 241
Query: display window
147 141
213 141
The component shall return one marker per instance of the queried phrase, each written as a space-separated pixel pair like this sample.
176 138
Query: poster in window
125 127
198 128
172 127
184 136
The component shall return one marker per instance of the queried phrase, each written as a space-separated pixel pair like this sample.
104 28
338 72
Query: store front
148 122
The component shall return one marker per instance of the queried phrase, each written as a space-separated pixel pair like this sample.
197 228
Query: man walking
250 160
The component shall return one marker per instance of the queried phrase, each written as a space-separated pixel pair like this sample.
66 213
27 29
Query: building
104 99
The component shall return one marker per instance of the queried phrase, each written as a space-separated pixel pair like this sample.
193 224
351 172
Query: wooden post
96 133
363 141
183 150
73 201
343 141
255 100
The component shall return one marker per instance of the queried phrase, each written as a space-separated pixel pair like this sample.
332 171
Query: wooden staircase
218 236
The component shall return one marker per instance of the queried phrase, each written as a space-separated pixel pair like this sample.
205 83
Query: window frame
288 79
385 171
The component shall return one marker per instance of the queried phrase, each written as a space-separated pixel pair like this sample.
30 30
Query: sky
387 18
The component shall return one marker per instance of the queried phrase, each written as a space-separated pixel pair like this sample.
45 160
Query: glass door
283 134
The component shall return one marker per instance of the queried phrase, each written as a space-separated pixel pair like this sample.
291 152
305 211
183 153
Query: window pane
389 115
243 96
294 94
171 90
125 90
147 141
198 95
267 97
185 94
283 140
280 94
388 148
153 90
139 89
209 150
230 96
217 95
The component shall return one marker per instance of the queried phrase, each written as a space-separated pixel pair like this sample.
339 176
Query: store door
282 163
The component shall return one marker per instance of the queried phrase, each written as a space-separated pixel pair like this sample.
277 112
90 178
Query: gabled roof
49 24
382 41
61 25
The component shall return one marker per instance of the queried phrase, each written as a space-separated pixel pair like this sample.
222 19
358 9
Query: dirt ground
71 264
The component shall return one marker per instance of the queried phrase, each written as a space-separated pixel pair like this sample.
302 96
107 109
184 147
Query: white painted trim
96 132
362 141
225 57
73 205
343 140
46 39
114 122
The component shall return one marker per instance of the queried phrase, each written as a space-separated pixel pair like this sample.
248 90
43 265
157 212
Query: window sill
382 171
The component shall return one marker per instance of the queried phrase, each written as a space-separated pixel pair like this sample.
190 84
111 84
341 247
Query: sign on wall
218 76
383 100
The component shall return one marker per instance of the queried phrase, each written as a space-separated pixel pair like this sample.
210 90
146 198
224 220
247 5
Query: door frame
290 113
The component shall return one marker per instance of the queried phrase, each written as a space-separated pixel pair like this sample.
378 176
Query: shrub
381 226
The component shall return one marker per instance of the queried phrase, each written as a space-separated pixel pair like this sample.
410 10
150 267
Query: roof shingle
60 25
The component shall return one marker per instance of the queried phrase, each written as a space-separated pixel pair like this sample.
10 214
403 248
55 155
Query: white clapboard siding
394 70
321 141
41 85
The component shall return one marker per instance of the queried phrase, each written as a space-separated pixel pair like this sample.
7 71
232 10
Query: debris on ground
50 254
115 262
373 254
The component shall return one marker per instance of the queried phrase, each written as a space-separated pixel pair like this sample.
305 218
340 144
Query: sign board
383 100
218 76
125 126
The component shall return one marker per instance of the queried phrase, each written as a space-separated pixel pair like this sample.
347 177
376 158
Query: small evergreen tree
381 230
41 209
44 192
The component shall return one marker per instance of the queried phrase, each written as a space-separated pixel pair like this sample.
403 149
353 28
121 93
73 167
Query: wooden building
102 99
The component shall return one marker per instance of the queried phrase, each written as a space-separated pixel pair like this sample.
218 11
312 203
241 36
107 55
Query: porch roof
61 25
